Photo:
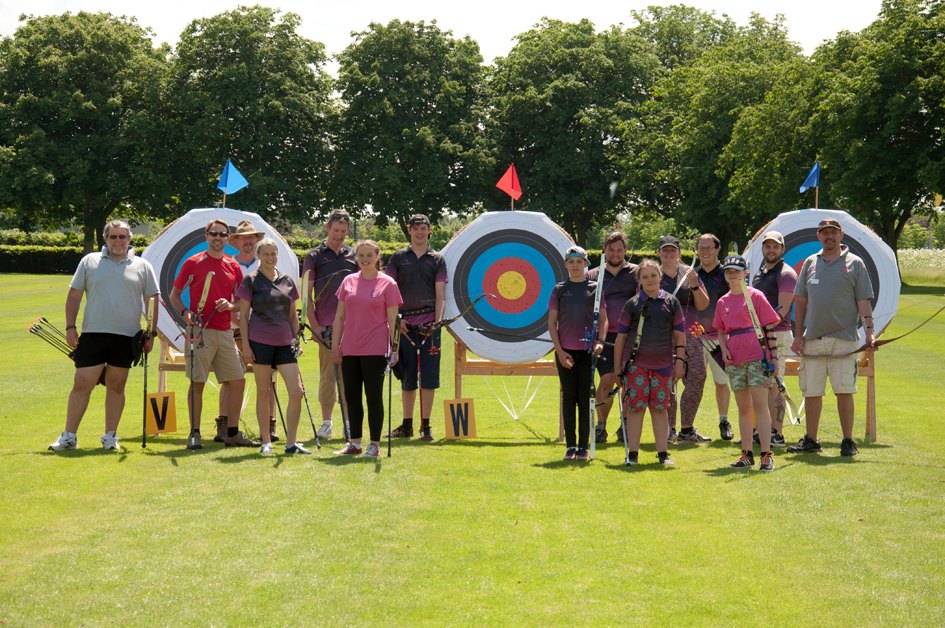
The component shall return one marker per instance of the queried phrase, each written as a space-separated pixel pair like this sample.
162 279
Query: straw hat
245 227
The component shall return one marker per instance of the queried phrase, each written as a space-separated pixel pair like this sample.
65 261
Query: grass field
492 531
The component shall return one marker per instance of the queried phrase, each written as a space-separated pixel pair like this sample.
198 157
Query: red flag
509 183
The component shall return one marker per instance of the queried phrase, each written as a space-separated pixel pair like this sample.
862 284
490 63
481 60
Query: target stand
799 229
515 258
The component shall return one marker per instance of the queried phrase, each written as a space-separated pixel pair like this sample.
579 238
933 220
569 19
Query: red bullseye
515 283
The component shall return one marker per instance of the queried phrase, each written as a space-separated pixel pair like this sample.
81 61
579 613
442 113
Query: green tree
681 34
246 86
408 137
78 95
675 162
879 123
557 98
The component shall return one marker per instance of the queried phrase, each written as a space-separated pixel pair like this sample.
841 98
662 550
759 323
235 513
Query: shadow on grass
121 455
933 290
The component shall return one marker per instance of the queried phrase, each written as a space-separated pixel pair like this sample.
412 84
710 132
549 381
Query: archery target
184 238
518 257
799 229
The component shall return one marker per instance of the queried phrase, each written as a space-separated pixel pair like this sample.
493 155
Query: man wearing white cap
777 281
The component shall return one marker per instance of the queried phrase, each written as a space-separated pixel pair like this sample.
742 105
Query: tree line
682 115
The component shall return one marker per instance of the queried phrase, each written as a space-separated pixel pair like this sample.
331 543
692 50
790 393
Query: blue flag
231 181
813 178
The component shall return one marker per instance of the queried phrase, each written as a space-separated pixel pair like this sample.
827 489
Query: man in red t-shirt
217 349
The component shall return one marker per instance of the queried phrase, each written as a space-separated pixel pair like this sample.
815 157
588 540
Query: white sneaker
109 440
66 440
266 449
324 432
372 451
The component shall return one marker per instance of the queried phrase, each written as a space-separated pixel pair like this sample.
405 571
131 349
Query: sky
492 23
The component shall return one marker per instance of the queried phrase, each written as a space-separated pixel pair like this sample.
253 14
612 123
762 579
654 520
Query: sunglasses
217 234
117 237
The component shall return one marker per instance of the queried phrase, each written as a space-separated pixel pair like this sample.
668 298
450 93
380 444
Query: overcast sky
493 24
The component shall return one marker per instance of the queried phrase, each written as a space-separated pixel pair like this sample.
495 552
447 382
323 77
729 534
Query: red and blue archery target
799 229
184 238
517 258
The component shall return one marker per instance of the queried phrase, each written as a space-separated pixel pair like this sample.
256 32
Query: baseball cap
668 240
575 251
418 219
829 223
773 235
734 261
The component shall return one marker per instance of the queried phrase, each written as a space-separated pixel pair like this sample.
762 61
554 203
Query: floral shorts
748 375
646 389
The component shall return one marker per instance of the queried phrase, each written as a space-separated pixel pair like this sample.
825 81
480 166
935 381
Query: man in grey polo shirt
833 293
118 284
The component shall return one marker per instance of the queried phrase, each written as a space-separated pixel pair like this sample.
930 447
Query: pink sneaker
350 450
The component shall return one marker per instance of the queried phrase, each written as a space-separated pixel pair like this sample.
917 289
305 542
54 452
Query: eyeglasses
117 237
217 234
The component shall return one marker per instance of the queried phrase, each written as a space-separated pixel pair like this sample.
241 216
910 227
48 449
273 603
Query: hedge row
62 260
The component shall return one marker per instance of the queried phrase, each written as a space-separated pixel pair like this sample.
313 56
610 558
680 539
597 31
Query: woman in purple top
368 302
269 326
656 317
570 318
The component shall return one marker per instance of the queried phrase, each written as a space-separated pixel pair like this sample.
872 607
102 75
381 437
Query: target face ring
799 229
517 258
184 238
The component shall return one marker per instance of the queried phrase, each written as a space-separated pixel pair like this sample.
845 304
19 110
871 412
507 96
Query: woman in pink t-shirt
747 363
368 302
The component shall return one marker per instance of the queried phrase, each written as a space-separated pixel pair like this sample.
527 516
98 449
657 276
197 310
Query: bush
914 236
43 260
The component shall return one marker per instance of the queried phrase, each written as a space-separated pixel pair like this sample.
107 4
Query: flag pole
224 200
816 196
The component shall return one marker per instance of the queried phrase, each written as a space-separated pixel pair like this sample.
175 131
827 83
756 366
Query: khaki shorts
718 373
785 339
813 372
326 376
218 354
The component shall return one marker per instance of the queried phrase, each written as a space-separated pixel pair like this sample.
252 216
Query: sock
408 422
232 431
687 430
662 455
723 418
764 453
223 418
424 424
195 431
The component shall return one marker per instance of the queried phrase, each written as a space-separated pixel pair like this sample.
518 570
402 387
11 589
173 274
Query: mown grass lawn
492 531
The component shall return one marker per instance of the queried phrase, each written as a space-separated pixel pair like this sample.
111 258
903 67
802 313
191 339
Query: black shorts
429 361
605 361
271 355
96 349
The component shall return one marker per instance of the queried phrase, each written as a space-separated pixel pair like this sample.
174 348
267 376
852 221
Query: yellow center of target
511 285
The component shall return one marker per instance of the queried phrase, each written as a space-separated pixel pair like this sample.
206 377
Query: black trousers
576 391
364 372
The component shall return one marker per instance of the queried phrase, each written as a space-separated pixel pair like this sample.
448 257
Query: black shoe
600 433
664 458
725 430
806 445
582 454
746 460
755 438
848 447
220 436
426 433
767 462
570 453
272 431
619 434
632 458
777 440
692 436
402 431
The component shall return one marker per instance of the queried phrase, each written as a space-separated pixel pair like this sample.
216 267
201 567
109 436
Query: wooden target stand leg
866 368
463 365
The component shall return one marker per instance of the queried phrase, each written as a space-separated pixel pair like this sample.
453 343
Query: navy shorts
96 349
271 355
605 361
429 363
